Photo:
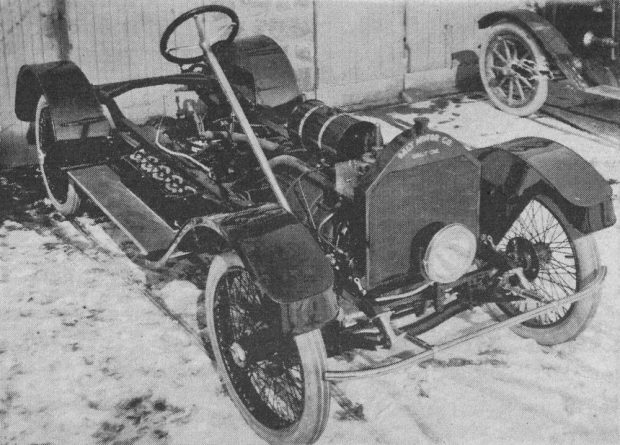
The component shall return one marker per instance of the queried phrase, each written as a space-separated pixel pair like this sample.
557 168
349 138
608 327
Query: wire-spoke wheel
60 190
512 69
276 382
558 263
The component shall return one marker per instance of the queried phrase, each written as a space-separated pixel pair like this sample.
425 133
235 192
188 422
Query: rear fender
550 39
285 260
514 171
75 110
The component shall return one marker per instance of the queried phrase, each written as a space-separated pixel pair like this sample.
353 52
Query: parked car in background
524 50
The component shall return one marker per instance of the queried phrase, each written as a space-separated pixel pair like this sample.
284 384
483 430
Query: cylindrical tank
330 131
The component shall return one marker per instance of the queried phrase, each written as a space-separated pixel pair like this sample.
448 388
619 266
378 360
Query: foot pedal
137 220
605 91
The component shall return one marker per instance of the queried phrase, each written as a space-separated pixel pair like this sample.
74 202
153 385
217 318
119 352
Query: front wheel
513 70
281 393
558 262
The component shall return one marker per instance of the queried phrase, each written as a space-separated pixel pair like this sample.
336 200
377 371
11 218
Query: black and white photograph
370 222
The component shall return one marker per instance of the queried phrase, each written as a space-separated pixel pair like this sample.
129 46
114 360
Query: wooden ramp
141 224
598 113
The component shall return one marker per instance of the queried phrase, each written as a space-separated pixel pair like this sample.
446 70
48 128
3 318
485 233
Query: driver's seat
275 83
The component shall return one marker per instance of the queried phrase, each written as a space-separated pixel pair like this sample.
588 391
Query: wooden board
587 112
141 224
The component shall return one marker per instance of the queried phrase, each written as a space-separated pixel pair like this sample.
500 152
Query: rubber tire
71 204
543 87
588 262
313 361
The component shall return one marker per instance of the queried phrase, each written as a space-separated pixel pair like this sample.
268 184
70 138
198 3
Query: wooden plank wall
436 31
359 49
27 35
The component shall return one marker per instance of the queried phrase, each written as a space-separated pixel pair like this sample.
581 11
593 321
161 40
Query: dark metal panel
567 172
275 82
430 179
143 226
75 110
281 253
515 170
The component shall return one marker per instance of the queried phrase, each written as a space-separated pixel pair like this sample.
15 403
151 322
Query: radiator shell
419 180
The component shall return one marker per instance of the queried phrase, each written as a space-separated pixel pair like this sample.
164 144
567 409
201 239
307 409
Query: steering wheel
166 52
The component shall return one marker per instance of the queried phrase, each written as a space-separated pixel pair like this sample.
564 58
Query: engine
217 146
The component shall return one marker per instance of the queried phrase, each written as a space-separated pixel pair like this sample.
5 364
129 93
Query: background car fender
75 110
551 40
514 171
286 261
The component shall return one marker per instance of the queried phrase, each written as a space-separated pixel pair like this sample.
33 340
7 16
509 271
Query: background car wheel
60 189
282 394
558 262
510 68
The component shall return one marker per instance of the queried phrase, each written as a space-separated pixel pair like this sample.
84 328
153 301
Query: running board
403 360
604 91
149 232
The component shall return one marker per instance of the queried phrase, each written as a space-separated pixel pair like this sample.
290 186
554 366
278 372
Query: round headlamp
450 253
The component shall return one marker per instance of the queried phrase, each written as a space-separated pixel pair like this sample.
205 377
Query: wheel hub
525 255
508 71
543 252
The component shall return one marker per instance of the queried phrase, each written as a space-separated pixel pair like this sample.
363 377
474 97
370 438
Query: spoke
534 215
501 57
563 285
510 92
525 229
506 50
519 88
502 82
553 226
568 268
525 81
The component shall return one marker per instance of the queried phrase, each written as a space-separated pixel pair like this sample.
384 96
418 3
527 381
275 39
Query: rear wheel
558 263
511 62
60 189
281 394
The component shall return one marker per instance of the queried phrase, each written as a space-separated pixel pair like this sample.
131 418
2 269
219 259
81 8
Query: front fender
514 171
286 262
550 39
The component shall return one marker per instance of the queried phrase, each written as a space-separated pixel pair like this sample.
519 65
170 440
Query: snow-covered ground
85 357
